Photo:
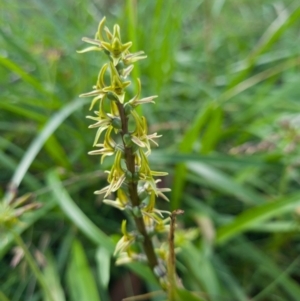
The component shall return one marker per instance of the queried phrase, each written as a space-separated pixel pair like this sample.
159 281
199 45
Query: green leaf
80 280
186 146
205 277
184 295
52 279
284 20
74 213
256 215
223 182
39 141
213 131
103 258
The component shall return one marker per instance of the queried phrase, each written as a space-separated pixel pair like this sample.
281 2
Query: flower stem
30 260
133 193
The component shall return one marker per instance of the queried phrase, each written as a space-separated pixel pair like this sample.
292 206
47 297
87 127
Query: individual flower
117 86
126 240
114 46
121 202
129 256
107 147
116 176
139 136
153 217
131 58
103 122
98 88
135 101
145 173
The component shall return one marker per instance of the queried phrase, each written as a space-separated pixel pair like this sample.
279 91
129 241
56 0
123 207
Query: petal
92 48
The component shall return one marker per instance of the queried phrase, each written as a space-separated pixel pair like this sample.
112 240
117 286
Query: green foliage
227 75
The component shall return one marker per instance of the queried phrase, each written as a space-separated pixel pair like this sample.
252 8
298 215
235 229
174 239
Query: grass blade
39 141
256 215
80 279
74 213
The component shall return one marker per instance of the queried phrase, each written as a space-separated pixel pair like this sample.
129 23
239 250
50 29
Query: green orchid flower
126 240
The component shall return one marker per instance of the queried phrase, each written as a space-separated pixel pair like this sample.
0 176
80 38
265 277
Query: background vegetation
227 76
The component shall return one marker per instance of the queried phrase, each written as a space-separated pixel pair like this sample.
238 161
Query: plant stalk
133 193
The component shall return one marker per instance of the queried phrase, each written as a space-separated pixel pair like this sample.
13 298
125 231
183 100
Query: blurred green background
227 76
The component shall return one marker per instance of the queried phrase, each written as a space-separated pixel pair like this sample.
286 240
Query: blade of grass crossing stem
80 280
284 21
74 213
52 278
256 215
36 145
186 146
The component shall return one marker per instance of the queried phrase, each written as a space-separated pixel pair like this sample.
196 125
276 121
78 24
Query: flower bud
127 140
116 123
112 96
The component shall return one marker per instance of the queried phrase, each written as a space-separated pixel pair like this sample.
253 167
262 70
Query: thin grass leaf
9 163
257 78
267 291
74 213
28 113
39 141
269 267
52 279
80 280
183 294
57 153
204 277
284 21
223 182
103 258
186 145
231 283
216 160
213 131
10 65
255 216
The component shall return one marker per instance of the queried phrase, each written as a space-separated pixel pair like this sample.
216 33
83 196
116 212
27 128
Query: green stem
30 260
